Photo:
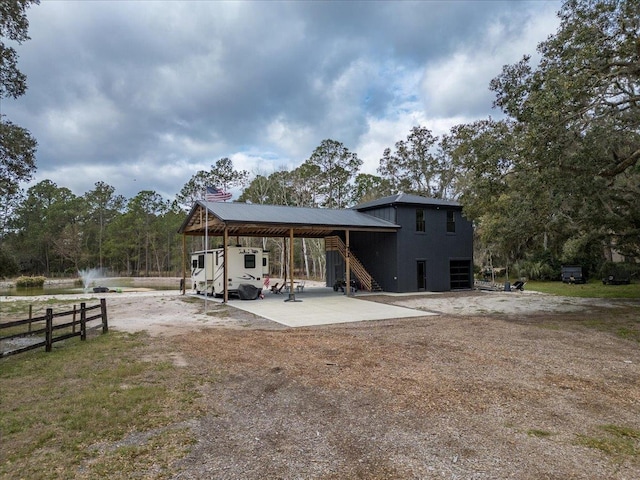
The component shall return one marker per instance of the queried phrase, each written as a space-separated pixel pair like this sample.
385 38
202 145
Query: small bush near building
536 270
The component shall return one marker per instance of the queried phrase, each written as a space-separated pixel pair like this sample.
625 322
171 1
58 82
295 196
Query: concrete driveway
320 306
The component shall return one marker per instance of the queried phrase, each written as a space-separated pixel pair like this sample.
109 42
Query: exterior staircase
367 282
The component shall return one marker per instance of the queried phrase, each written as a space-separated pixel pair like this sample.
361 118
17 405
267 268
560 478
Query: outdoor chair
519 285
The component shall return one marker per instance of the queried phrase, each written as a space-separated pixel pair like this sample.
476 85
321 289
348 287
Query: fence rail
49 327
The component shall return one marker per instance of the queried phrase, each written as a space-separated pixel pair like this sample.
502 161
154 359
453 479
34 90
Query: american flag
216 195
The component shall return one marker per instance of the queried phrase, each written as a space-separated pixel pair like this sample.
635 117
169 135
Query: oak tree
418 166
578 112
17 146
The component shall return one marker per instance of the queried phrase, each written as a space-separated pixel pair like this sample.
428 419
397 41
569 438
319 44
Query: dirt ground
539 387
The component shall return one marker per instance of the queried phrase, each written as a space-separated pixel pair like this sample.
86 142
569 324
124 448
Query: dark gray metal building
432 251
401 243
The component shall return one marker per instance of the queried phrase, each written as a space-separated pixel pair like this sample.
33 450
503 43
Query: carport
227 219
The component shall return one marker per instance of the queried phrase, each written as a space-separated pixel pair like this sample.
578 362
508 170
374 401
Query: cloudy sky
143 94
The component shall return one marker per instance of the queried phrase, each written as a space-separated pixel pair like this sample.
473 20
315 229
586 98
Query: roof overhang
248 220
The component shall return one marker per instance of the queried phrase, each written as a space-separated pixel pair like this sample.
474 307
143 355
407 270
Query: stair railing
361 273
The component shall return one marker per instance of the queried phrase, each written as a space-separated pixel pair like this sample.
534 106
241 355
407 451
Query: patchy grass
67 412
591 289
152 458
19 309
628 333
623 323
218 312
617 441
538 433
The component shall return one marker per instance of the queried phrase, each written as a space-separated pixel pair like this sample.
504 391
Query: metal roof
252 220
406 199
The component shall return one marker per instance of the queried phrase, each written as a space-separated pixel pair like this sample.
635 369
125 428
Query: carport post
348 262
292 295
225 267
184 263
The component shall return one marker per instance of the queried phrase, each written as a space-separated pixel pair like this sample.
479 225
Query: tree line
556 179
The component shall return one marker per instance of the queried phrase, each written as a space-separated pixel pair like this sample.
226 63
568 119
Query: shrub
28 282
547 272
536 270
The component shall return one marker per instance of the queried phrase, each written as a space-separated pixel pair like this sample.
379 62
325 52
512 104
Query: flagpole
206 250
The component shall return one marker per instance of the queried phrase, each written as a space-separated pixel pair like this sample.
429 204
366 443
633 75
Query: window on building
451 221
420 221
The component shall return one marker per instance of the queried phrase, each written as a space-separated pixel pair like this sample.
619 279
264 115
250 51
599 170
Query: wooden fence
84 313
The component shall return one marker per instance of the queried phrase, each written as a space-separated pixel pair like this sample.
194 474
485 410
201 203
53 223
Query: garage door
460 274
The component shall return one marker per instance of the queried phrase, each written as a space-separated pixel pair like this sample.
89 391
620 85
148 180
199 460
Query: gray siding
387 213
376 251
392 258
435 246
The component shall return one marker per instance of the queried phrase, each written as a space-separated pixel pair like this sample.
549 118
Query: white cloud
291 138
384 133
460 84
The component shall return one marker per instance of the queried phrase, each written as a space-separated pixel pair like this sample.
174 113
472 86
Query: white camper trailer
247 266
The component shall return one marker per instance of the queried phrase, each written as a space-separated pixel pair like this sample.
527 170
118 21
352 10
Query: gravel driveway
468 397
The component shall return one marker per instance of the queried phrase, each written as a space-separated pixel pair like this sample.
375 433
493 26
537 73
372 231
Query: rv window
264 261
249 261
194 264
200 261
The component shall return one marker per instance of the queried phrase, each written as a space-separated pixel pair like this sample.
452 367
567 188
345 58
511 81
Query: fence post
83 321
103 309
30 315
73 323
49 330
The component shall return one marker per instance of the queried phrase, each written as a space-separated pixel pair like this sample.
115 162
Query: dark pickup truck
573 274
